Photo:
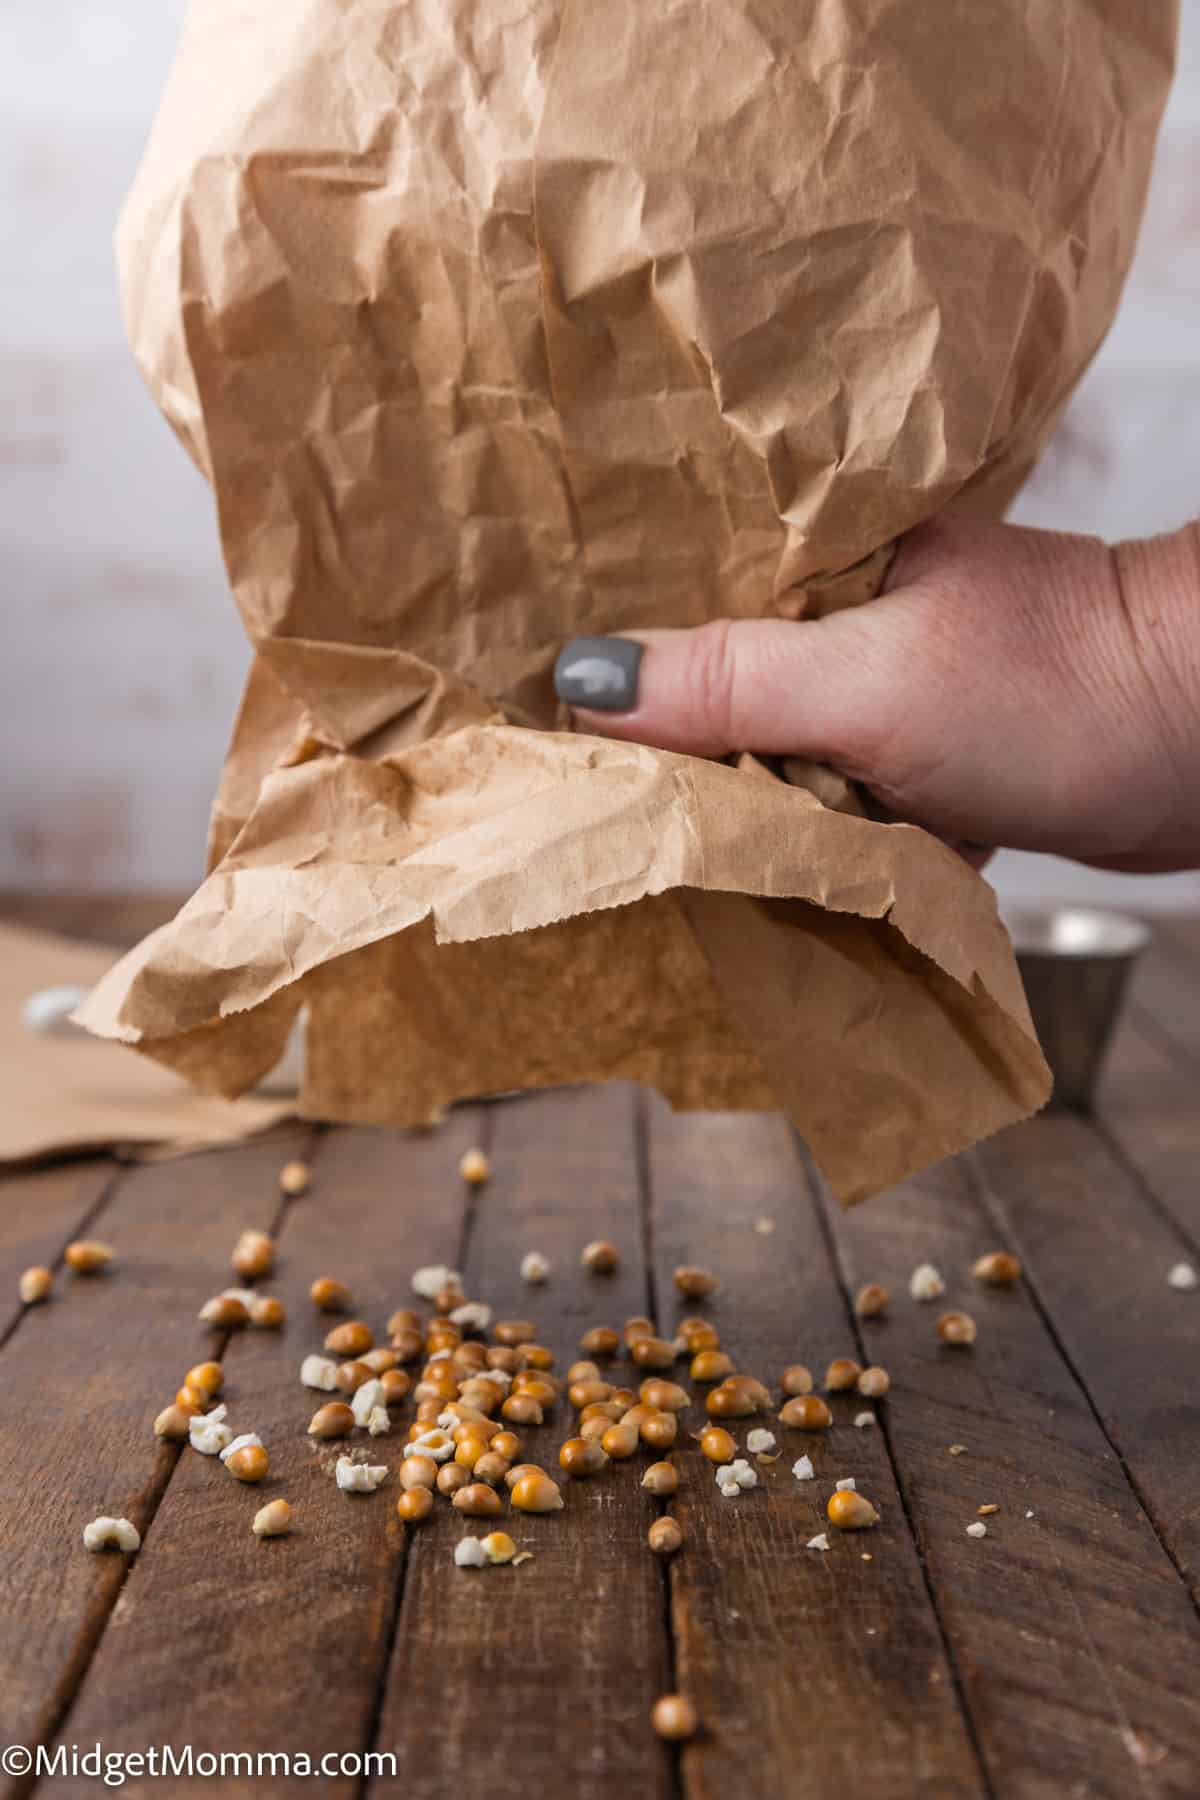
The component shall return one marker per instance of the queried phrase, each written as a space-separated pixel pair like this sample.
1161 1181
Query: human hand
1011 687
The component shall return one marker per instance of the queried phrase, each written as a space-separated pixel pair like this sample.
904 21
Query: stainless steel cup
1075 964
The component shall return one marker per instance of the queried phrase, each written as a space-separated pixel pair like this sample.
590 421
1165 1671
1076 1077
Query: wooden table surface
1058 1656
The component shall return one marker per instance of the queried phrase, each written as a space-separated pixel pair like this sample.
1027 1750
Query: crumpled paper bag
493 323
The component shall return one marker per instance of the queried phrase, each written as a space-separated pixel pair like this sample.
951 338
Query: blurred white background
123 658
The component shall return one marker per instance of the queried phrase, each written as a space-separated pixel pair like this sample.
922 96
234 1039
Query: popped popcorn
759 1442
429 1281
1184 1277
319 1372
820 1542
359 1478
365 1401
803 1470
472 1315
733 1477
534 1267
977 1530
469 1553
379 1422
111 1534
925 1283
863 1419
846 1485
208 1433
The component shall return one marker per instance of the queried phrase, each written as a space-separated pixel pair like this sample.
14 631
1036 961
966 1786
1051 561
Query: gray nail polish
600 673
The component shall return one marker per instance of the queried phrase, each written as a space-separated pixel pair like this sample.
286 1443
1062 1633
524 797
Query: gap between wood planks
655 1274
1033 1429
989 1201
656 1310
486 1136
108 1575
820 1204
568 1652
381 1203
101 1182
814 1670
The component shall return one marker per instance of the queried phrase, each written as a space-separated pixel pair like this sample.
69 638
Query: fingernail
600 673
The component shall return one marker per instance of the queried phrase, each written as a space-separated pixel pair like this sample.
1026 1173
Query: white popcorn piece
925 1283
977 1530
47 1013
429 1281
846 1485
111 1534
820 1542
1184 1277
1029 1515
742 1473
359 1478
534 1267
365 1399
208 1433
437 1444
379 1422
728 1490
319 1372
472 1315
760 1443
469 1553
863 1419
803 1469
241 1443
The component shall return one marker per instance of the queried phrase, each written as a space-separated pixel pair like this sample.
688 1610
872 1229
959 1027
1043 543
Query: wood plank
292 1634
41 1210
84 1377
1179 929
547 1671
1148 1106
1098 1254
1038 1613
817 1671
1164 990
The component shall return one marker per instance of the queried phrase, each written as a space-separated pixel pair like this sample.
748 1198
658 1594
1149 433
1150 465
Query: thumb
823 688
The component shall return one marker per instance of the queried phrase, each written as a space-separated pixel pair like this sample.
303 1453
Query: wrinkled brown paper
492 323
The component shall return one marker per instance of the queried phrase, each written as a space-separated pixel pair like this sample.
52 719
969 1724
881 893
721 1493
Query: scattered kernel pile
477 1387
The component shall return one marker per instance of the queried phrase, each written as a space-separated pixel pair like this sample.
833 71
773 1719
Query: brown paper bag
491 324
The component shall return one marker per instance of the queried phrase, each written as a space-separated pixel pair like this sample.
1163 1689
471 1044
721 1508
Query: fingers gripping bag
491 324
